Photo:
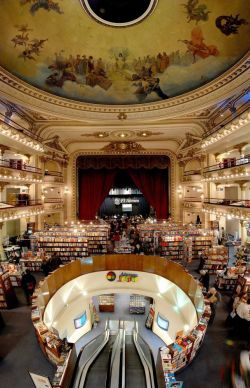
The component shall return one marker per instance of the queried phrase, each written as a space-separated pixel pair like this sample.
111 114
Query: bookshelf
150 317
178 354
176 241
15 273
49 342
7 294
229 280
74 242
172 247
217 258
242 284
106 303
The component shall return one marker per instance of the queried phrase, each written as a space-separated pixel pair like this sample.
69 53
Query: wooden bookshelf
8 297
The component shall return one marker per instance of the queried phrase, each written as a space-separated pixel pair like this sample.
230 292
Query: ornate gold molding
173 178
118 147
18 90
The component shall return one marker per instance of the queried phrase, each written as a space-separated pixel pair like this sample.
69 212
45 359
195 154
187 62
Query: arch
72 176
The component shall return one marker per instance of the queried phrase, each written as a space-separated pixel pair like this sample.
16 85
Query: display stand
106 303
137 304
150 317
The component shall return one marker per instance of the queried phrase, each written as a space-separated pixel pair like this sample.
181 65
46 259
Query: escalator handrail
123 360
143 361
116 360
150 364
80 380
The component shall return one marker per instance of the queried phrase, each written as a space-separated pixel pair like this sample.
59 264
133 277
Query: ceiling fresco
56 46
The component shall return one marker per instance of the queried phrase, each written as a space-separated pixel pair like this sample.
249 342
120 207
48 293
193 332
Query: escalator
98 371
115 361
135 375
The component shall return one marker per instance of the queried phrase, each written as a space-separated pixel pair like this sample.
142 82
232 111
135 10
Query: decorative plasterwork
55 144
20 212
224 132
19 137
122 134
123 147
72 179
20 92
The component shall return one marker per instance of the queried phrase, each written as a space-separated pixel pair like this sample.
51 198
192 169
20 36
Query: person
28 284
45 267
204 279
138 249
238 298
212 297
242 318
203 259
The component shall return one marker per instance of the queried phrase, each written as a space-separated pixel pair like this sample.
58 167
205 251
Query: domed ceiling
113 52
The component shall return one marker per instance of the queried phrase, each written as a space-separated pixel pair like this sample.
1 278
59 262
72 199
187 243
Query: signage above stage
119 201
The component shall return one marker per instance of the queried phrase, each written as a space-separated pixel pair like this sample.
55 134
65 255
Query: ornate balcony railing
228 164
18 165
228 202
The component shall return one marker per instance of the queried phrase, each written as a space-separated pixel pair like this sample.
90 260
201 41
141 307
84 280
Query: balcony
228 202
230 211
52 205
15 170
20 208
229 163
53 177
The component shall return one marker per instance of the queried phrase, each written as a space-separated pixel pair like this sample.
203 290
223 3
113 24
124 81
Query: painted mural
182 45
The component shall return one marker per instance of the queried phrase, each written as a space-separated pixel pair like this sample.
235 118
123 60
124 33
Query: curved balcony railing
18 127
20 203
228 202
228 164
19 165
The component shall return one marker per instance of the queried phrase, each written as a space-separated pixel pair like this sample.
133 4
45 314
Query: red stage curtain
94 186
154 186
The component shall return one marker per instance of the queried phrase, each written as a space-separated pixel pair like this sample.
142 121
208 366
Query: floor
20 352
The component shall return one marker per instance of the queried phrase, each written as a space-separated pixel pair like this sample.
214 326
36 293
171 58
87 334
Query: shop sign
111 276
128 277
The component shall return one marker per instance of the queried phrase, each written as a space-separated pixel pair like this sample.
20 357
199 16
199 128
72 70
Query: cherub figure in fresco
196 11
229 24
197 47
48 5
32 47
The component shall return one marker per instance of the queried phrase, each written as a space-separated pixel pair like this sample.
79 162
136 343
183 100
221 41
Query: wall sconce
179 191
66 190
